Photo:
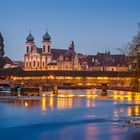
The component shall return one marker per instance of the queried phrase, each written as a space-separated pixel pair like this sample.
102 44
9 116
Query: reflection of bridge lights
43 103
121 97
115 96
90 103
137 97
136 110
129 111
129 98
51 102
26 104
63 103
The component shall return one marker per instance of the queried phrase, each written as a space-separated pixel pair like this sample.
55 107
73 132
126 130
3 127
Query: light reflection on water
81 114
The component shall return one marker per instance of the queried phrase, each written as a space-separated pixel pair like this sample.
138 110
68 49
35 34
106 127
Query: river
72 115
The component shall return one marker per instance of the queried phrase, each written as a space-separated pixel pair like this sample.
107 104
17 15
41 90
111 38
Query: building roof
30 37
7 60
57 52
103 59
46 36
19 72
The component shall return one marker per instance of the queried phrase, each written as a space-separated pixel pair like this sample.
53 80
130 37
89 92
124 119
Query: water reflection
133 110
68 99
84 113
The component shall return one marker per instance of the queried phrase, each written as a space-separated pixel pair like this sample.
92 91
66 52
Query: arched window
43 64
38 64
27 49
26 64
30 64
43 48
34 63
48 48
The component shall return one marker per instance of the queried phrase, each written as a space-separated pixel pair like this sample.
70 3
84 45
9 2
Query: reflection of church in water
49 58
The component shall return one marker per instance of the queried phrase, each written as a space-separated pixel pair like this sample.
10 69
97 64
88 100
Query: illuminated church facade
47 58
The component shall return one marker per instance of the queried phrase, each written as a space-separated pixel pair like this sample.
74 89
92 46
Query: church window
26 64
38 64
43 48
30 64
49 48
32 48
43 64
27 49
34 63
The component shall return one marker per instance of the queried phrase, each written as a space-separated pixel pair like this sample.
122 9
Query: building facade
107 62
48 58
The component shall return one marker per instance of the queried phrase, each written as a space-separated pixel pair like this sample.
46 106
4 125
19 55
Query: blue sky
94 25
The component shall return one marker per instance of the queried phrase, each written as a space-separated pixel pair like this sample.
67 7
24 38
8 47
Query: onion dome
46 36
30 37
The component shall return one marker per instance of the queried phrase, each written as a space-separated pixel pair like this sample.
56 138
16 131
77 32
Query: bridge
67 78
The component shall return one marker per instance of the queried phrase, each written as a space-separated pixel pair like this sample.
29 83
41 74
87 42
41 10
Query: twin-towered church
48 58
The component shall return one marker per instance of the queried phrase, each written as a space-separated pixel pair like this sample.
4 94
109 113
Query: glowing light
129 111
43 104
26 104
136 110
51 77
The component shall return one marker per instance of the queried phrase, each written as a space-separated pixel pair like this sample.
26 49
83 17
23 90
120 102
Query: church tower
29 43
46 50
46 43
28 62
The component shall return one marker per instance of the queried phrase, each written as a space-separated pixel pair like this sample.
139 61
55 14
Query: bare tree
132 51
1 51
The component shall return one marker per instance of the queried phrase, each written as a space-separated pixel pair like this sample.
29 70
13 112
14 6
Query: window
38 64
43 64
27 49
26 64
48 48
43 48
34 63
32 48
30 64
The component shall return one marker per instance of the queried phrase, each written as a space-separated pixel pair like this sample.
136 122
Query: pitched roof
19 72
106 60
57 52
8 60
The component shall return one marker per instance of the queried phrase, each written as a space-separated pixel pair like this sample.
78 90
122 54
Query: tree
132 51
1 51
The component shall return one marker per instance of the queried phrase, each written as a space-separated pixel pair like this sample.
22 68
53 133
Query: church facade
47 58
